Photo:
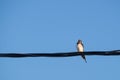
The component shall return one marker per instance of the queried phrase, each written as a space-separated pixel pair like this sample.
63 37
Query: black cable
67 54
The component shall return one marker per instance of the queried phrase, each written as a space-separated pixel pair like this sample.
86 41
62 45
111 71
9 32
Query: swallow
80 48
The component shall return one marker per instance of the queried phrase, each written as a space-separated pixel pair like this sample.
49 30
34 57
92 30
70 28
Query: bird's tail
85 60
83 56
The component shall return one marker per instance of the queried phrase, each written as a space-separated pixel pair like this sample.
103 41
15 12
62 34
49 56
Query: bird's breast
80 48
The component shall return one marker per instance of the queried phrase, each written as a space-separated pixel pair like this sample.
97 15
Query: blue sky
55 26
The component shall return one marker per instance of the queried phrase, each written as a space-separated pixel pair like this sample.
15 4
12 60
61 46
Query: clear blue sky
55 26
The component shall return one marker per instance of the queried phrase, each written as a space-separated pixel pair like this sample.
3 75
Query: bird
80 48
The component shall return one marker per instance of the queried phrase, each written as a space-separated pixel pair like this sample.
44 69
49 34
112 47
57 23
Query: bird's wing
82 45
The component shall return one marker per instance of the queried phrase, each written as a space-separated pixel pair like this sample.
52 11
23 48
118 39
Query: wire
62 54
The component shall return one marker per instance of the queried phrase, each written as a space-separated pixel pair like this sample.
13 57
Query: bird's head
79 41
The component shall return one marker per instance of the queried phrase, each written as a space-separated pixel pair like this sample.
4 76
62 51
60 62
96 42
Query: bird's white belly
80 48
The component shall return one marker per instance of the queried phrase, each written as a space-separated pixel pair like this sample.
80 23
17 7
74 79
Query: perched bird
80 48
